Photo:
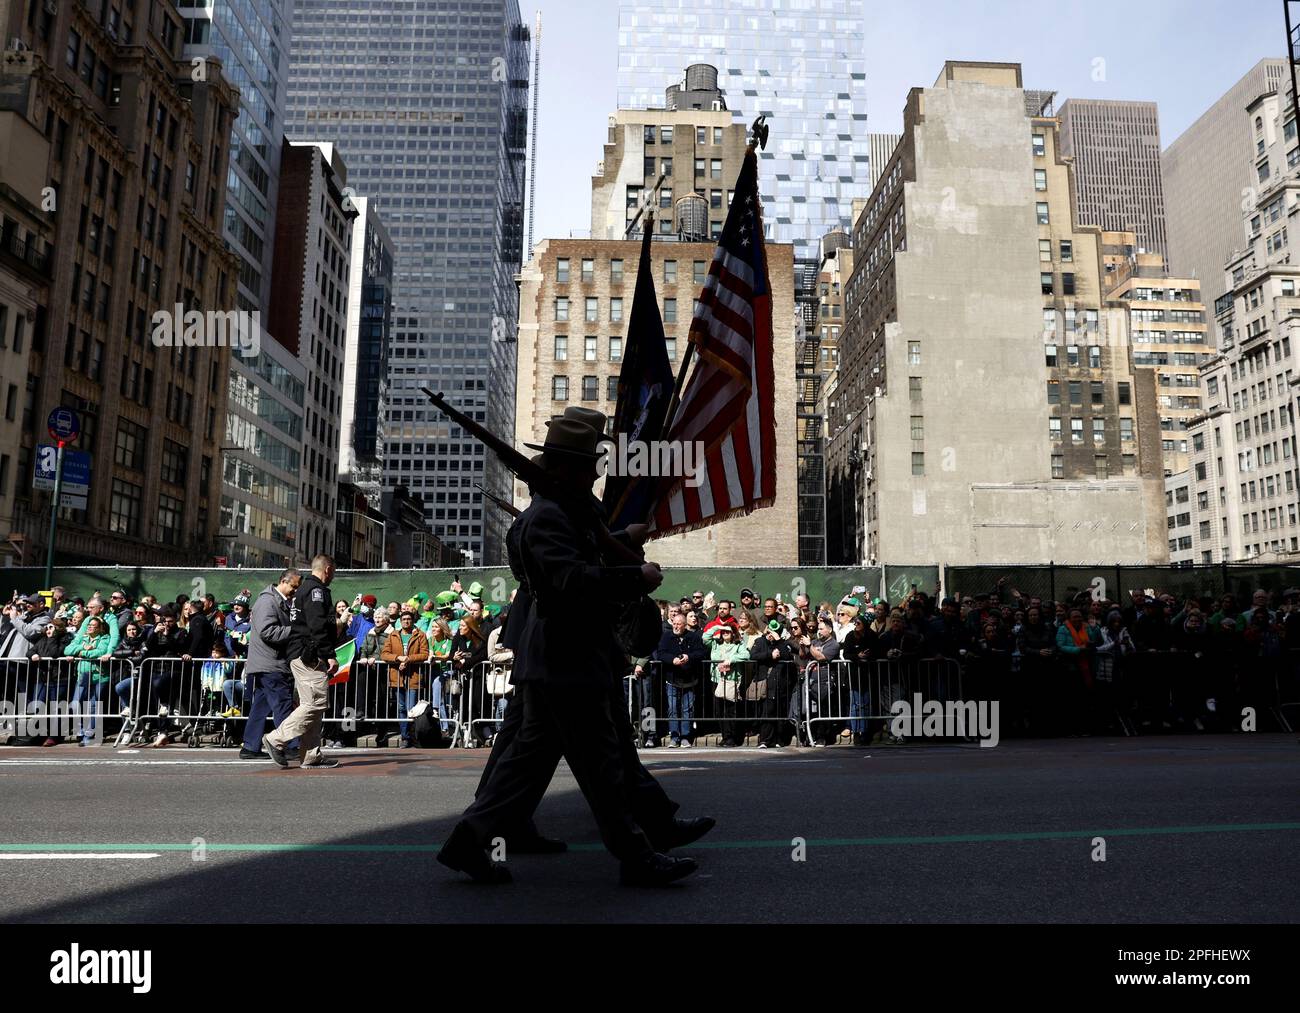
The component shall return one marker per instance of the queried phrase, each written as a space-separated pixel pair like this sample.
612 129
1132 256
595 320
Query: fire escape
809 425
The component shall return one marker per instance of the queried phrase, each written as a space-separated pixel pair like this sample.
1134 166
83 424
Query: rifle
498 502
536 477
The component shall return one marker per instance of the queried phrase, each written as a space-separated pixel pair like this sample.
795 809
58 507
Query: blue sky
1181 54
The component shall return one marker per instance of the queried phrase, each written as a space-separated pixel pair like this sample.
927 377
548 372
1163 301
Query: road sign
76 475
64 425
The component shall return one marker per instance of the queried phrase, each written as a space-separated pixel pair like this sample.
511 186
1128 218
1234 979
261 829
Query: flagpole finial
759 133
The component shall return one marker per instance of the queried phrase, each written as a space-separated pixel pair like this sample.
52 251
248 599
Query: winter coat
416 653
269 638
673 646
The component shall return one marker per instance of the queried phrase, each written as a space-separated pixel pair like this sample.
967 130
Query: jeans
229 687
681 709
273 695
123 691
858 711
89 692
406 699
436 684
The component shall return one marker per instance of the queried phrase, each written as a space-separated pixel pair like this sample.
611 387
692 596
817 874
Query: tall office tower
1116 152
263 447
129 146
1240 499
969 437
313 234
430 104
803 64
365 367
1208 171
882 149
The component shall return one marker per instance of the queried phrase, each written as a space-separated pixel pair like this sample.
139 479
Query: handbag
453 687
726 690
757 689
498 682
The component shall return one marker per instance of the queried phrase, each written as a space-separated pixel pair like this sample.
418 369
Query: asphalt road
1200 829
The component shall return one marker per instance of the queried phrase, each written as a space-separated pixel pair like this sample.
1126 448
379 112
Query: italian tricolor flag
344 655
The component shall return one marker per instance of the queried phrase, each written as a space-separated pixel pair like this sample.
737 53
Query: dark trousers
273 695
578 723
651 806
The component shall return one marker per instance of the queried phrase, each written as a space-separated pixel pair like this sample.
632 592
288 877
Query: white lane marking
73 856
125 763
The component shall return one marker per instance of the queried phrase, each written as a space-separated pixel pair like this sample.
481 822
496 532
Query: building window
615 349
1067 251
715 168
1067 283
589 349
1045 251
124 509
1040 145
170 515
1125 394
588 270
130 448
649 134
670 311
1058 465
918 464
670 272
590 388
616 310
1076 392
914 353
1051 356
611 388
616 272
699 268
717 135
1044 215
561 347
699 168
649 167
1047 284
559 388
667 166
1103 466
671 343
666 197
592 309
701 135
1040 179
1071 355
1098 392
561 309
1054 429
1099 432
914 387
1053 392
1094 357
175 463
1126 430
1076 432
918 427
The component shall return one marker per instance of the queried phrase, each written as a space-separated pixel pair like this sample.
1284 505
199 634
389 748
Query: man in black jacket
681 654
565 685
313 636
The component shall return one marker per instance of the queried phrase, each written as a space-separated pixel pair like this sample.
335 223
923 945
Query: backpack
425 728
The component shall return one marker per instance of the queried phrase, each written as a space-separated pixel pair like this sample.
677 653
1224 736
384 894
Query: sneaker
687 743
124 713
674 744
324 763
50 742
762 745
276 754
159 741
250 754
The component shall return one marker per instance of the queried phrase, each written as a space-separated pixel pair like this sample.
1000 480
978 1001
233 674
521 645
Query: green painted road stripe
840 842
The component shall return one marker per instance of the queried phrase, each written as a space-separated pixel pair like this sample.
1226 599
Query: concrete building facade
1244 480
966 264
134 146
1116 151
576 297
1207 170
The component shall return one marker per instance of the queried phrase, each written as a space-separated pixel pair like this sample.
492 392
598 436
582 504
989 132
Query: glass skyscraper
802 62
428 102
262 459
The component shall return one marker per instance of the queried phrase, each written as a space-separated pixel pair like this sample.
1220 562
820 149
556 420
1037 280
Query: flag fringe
707 522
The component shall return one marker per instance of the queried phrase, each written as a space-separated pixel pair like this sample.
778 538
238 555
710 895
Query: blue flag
645 389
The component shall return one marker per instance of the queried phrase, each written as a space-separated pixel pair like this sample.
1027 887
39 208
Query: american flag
727 407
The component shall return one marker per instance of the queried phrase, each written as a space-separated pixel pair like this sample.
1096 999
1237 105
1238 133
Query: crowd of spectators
735 668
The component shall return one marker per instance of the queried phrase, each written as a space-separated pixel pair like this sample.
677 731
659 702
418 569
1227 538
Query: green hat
775 626
445 599
420 596
492 610
476 590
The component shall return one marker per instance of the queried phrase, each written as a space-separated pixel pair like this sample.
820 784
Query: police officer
312 639
565 687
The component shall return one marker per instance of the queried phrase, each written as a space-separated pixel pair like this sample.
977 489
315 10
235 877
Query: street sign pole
54 516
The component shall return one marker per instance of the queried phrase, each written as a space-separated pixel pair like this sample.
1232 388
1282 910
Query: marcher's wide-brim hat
598 421
570 438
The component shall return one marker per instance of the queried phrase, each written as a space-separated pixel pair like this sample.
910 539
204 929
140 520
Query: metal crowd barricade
187 700
734 709
484 703
370 701
848 694
59 698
